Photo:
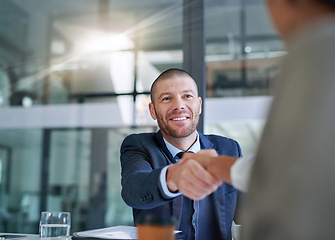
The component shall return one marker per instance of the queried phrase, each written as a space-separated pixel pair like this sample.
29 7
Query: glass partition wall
98 52
92 197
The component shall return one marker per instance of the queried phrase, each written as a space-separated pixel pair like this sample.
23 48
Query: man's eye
188 96
166 99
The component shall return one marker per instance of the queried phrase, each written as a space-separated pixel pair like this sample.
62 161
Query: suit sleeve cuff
163 186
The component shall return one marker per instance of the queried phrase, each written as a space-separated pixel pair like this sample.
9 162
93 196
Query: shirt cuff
164 188
240 172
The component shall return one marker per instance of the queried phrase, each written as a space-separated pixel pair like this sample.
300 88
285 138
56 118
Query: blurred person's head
289 16
175 104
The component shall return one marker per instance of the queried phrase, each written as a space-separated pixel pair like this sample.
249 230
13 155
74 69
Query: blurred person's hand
218 165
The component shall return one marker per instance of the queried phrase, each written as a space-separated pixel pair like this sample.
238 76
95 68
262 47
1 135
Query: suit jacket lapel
204 142
162 147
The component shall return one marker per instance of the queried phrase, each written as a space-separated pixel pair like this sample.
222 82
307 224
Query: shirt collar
173 150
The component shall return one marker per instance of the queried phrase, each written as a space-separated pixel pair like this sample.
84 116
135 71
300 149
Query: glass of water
55 224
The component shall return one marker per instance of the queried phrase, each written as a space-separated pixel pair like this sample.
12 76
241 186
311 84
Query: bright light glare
104 43
27 101
248 49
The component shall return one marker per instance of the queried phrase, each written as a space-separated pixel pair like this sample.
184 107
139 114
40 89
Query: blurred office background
74 81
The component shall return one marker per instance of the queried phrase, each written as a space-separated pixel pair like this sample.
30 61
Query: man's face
176 106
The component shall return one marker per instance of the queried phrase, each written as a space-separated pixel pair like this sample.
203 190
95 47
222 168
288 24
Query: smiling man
153 179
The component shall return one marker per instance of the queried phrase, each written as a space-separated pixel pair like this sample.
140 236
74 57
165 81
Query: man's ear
152 111
200 105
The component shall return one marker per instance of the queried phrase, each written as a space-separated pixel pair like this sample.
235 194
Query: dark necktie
180 154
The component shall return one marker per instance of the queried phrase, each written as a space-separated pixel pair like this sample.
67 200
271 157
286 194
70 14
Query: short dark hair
329 3
168 74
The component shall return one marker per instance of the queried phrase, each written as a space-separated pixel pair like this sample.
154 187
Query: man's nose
178 103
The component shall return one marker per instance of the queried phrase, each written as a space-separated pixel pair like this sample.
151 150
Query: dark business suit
142 158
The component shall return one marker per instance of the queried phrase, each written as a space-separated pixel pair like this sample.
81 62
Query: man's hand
191 179
218 166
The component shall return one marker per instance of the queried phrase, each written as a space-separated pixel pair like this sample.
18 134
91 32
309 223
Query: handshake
199 174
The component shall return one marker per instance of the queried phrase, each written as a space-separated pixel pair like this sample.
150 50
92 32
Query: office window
243 51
